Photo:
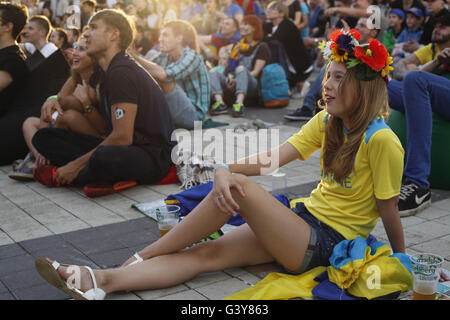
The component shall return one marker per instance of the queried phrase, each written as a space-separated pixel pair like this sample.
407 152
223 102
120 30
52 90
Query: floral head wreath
370 60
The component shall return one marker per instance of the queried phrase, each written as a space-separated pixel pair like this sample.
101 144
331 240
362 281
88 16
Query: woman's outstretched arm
265 162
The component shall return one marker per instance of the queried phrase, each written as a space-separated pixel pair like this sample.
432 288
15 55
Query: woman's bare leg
282 233
30 126
274 232
236 248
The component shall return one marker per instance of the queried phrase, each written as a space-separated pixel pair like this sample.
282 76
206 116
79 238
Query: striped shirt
190 73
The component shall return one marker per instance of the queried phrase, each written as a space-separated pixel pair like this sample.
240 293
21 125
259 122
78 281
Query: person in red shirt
247 6
228 34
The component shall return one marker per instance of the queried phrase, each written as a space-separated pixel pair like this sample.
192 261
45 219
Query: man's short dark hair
187 30
15 13
43 22
117 19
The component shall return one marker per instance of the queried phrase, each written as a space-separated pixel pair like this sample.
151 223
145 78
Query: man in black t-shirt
47 71
13 69
137 145
280 28
13 74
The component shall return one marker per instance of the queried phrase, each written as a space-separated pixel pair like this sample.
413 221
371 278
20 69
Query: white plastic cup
167 217
279 182
426 269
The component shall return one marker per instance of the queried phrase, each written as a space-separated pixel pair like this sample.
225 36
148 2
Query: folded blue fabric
190 198
328 290
349 276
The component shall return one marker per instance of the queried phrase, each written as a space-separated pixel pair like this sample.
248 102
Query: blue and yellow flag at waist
359 268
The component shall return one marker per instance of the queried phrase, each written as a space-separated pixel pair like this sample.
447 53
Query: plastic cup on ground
425 268
279 182
167 217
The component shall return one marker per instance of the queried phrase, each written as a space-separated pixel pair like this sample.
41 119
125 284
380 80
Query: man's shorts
321 242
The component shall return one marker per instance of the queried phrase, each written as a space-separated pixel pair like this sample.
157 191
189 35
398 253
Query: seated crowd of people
60 81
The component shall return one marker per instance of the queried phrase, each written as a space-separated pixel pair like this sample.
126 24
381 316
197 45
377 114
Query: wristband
222 165
53 97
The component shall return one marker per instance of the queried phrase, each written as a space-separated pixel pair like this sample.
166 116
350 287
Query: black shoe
300 114
413 199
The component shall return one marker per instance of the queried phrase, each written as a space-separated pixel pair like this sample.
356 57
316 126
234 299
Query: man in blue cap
413 32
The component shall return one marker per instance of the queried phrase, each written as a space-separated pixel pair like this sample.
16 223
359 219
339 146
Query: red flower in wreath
335 35
355 34
375 57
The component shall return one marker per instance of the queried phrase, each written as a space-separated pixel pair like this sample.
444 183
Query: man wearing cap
420 94
395 21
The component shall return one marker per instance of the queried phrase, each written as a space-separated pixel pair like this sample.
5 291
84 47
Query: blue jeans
182 111
418 96
245 82
314 91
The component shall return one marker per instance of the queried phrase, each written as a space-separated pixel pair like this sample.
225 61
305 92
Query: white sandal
49 272
138 259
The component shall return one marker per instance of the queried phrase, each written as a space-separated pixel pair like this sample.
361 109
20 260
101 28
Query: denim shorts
321 242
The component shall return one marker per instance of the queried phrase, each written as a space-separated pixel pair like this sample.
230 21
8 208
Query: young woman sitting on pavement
87 121
361 163
245 63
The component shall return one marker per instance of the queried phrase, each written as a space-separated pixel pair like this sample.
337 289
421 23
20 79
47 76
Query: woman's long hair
76 76
62 33
370 100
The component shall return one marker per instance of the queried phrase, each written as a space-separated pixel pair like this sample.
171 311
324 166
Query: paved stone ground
63 224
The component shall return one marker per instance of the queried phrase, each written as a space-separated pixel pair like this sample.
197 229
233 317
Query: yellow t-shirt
425 54
350 208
